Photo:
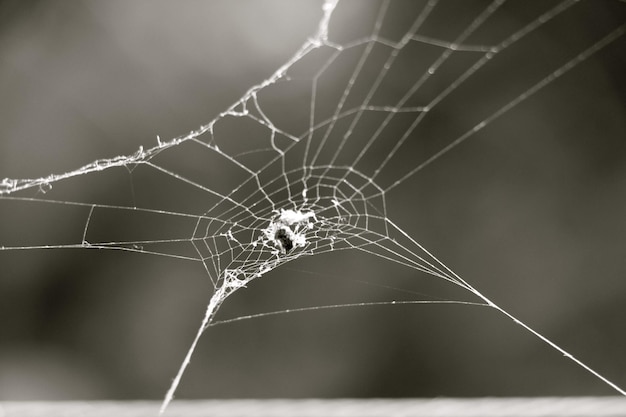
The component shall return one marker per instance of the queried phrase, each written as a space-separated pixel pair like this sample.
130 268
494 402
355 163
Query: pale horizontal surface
545 406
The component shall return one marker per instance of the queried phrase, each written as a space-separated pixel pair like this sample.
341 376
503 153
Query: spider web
304 162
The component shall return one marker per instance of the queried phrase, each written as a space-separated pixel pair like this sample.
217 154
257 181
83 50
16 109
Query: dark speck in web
282 236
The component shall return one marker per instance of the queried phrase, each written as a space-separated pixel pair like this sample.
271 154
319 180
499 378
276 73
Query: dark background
530 210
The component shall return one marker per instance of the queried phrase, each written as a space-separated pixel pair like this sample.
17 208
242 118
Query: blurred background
530 210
